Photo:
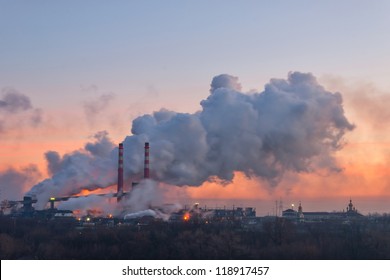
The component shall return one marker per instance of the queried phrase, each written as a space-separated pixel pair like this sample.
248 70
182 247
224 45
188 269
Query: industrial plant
189 214
244 216
188 232
192 214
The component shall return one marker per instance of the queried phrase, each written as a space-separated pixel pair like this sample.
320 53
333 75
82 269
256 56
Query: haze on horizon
70 70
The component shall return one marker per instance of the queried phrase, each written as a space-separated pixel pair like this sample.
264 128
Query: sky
80 67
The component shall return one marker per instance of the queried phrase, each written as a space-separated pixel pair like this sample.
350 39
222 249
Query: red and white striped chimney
146 163
120 172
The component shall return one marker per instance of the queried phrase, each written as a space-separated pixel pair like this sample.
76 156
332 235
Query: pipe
146 163
120 173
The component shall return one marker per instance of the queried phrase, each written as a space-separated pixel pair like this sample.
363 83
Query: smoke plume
14 182
294 125
146 195
84 205
87 169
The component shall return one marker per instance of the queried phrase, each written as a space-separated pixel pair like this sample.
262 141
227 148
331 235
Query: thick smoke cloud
14 182
53 162
84 205
225 81
145 196
17 110
293 125
90 168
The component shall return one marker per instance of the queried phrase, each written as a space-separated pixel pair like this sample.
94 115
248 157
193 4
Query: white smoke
147 197
293 125
14 182
140 214
225 81
91 168
101 204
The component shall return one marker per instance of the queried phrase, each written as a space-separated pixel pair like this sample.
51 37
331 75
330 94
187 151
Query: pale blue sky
172 49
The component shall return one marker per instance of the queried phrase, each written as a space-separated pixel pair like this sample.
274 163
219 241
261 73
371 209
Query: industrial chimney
146 163
120 173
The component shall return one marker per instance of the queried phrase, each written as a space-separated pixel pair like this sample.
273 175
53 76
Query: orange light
85 192
186 216
77 213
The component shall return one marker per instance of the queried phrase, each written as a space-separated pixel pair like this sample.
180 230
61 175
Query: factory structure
192 214
25 208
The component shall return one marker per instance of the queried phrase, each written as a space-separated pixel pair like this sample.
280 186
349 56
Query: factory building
207 215
194 214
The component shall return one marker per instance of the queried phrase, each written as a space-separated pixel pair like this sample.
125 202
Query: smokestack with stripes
120 172
146 163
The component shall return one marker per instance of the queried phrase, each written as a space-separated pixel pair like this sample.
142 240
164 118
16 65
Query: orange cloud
360 177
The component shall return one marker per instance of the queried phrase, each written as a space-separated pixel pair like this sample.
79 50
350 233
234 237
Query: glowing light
186 216
88 219
52 198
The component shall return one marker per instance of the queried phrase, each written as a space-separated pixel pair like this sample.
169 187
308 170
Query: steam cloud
90 168
14 182
293 125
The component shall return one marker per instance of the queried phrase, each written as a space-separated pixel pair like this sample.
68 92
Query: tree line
275 239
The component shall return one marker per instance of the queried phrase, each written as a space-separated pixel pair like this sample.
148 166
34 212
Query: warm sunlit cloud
361 176
240 188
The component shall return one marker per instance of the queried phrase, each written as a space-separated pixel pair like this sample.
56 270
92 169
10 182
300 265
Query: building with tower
300 216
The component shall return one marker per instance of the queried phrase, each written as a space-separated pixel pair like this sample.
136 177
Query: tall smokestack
120 172
146 163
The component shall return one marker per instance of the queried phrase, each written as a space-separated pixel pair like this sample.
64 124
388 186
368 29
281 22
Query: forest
276 239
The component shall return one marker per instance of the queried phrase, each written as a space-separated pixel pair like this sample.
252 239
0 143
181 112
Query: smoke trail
293 125
14 182
147 197
90 168
84 204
